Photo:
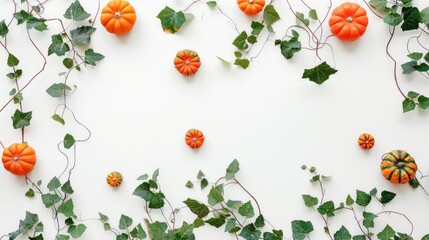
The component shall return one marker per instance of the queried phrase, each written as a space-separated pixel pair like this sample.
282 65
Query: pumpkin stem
194 139
349 19
15 159
251 1
187 62
117 14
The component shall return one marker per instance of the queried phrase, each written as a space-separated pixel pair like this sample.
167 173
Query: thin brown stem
392 33
229 18
254 199
401 214
196 1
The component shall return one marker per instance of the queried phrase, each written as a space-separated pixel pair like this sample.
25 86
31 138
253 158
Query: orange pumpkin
118 17
366 141
398 166
114 179
194 138
187 62
251 7
348 21
19 158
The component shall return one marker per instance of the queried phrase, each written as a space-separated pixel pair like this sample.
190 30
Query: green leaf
122 236
50 199
125 222
408 67
270 15
232 169
21 16
215 196
68 63
138 232
58 118
143 191
157 201
349 200
379 5
415 55
310 201
76 230
92 57
4 30
12 92
230 224
373 192
424 14
289 48
57 89
204 183
39 227
393 19
342 234
252 39
82 35
257 27
30 193
12 61
171 21
185 232
38 237
54 184
423 67
423 102
234 204
315 178
69 221
425 237
200 175
414 183
362 198
368 219
58 46
76 12
36 23
320 73
67 188
62 237
30 220
238 54
300 18
244 63
387 196
408 105
260 221
301 228
411 17
359 237
21 119
212 4
107 226
272 236
68 141
189 184
240 41
143 177
312 14
198 222
327 208
249 232
199 209
155 175
412 94
216 222
387 234
246 210
17 98
67 208
103 217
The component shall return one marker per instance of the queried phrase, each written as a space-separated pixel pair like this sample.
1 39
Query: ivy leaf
257 27
312 14
62 237
122 236
76 230
342 234
362 198
50 199
82 35
408 105
244 63
232 169
76 12
125 222
12 61
387 196
204 183
234 204
171 21
423 102
103 217
155 175
157 201
240 41
30 193
327 208
368 219
393 19
39 227
411 17
17 98
68 141
252 39
198 222
349 200
4 30
92 57
246 210
57 89
216 222
423 67
412 94
212 4
67 208
301 228
38 237
215 196
67 188
249 232
200 175
359 237
199 209
300 18
185 232
54 184
189 184
138 232
387 234
309 200
373 192
58 46
230 224
68 63
424 14
21 16
289 48
415 55
320 73
21 119
260 221
379 5
408 67
270 15
425 237
59 119
69 221
37 24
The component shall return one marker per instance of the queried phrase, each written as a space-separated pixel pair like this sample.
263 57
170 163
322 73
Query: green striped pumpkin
398 166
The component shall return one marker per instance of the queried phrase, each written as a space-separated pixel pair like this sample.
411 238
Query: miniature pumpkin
118 17
194 138
114 179
251 7
398 166
187 62
19 158
348 21
366 141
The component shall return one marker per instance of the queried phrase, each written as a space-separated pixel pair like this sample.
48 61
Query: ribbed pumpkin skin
348 21
118 17
398 166
194 138
114 179
187 62
251 7
19 159
366 141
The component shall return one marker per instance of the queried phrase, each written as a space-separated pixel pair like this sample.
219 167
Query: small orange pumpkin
19 158
251 7
398 166
348 21
187 62
194 138
114 179
118 17
366 141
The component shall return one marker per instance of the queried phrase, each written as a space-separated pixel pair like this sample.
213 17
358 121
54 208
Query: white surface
139 107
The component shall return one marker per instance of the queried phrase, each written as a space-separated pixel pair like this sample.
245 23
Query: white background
139 108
